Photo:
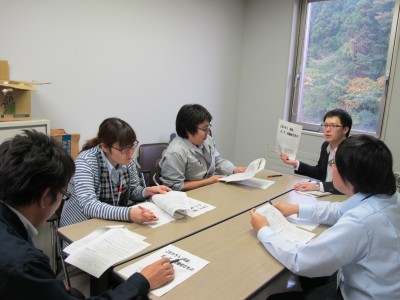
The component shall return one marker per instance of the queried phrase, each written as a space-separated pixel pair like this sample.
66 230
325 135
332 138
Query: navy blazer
319 171
25 271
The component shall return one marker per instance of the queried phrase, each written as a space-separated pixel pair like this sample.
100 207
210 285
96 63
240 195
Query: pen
270 176
175 260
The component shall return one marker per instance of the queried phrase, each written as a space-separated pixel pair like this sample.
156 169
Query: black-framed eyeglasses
331 126
207 129
66 195
128 149
331 162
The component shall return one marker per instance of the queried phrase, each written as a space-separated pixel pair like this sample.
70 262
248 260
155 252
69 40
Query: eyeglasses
331 162
128 149
207 129
66 195
331 126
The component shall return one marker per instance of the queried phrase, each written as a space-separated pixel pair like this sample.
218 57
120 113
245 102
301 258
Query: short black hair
189 117
367 163
30 163
344 117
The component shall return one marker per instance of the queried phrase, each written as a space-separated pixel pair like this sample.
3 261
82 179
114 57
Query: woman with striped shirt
106 181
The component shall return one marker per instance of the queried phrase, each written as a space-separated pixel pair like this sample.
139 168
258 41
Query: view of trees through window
344 59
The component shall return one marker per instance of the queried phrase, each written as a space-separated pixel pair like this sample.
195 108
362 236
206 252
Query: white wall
138 60
142 60
264 80
266 48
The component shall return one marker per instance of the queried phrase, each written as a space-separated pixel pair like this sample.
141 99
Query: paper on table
196 208
188 266
94 235
115 245
282 226
254 167
172 202
247 178
163 216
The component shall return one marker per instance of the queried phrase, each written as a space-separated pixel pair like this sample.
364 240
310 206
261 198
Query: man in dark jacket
336 127
34 174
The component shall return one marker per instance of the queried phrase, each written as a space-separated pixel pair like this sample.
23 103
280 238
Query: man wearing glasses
191 160
336 127
34 174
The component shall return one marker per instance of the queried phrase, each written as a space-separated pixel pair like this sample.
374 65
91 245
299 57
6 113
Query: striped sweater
84 187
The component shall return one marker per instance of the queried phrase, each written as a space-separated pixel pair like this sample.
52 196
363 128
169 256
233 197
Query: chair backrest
147 158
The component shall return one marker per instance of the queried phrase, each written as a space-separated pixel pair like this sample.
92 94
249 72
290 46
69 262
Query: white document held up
113 246
288 138
282 226
183 269
247 177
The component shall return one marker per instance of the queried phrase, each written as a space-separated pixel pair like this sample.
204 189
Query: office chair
56 243
147 158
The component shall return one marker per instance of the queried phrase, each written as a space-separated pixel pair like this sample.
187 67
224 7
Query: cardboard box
15 96
69 141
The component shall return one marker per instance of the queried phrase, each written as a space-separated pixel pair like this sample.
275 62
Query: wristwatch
317 186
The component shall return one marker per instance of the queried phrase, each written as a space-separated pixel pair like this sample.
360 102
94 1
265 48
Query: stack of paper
103 248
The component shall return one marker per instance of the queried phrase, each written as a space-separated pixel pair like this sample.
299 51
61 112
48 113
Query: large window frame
300 65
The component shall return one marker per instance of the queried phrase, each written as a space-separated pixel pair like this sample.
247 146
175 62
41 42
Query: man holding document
362 244
336 127
34 174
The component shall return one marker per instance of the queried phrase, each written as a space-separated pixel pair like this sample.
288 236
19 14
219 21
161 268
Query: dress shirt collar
329 149
112 171
192 147
32 231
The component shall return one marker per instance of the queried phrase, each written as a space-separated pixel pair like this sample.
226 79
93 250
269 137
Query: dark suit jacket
319 171
25 272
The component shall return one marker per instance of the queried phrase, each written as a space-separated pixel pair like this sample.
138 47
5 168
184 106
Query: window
344 53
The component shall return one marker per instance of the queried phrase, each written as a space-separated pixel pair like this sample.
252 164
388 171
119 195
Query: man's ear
45 197
346 130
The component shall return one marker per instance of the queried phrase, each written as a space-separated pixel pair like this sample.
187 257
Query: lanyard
116 201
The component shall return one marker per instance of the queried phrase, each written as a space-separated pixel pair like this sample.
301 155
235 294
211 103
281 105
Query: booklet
247 177
174 205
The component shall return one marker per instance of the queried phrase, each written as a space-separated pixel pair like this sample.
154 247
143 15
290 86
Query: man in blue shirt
363 243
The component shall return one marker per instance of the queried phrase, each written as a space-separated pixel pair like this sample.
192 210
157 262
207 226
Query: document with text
174 205
187 266
105 249
288 138
282 226
247 177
